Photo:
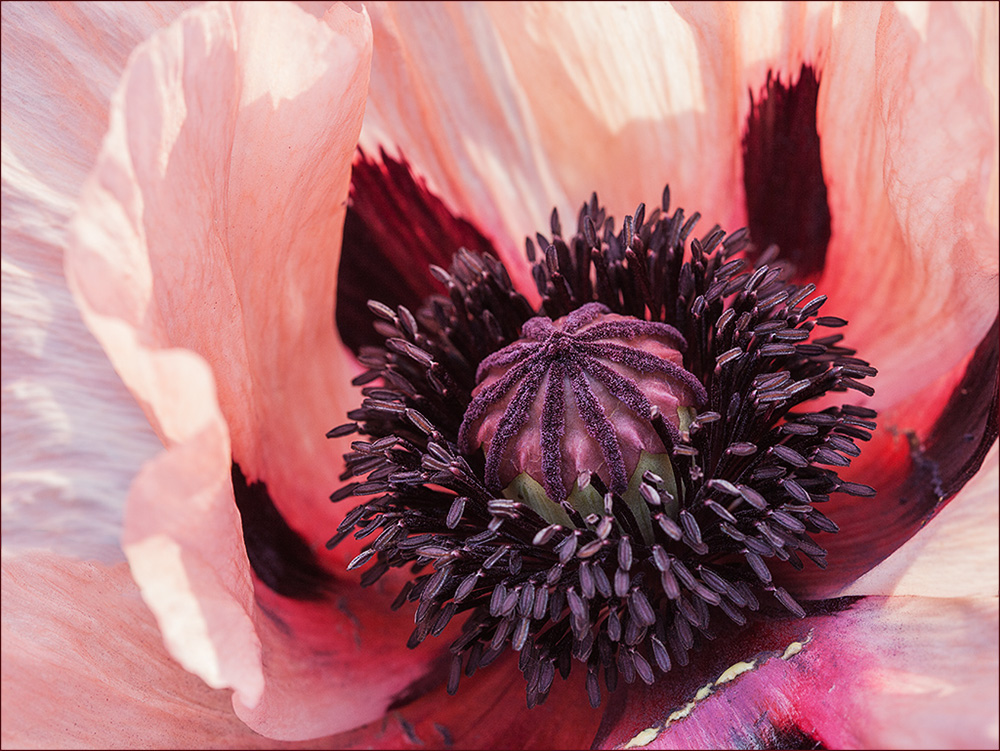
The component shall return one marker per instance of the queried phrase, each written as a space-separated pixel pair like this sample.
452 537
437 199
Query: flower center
586 395
599 481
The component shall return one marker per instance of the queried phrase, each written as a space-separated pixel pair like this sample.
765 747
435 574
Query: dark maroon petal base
394 230
279 557
783 174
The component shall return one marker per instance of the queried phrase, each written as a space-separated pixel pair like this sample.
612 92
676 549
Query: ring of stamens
600 589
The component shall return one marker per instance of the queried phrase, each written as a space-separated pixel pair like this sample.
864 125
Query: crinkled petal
900 672
72 436
513 109
908 121
84 666
204 259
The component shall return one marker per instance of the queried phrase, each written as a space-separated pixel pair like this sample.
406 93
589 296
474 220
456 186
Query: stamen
594 481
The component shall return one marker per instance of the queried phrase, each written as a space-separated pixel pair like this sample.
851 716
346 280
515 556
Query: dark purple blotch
783 174
394 229
279 557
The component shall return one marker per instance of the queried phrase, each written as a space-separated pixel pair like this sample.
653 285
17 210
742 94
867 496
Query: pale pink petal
767 36
912 191
957 555
316 8
511 109
739 46
444 97
72 435
84 667
555 100
900 672
908 121
628 98
204 260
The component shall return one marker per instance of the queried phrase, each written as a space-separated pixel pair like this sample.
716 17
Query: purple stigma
578 394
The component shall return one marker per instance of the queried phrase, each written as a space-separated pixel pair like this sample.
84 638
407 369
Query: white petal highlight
73 437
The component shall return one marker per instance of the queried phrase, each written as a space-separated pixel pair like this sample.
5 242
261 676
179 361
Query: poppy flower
226 237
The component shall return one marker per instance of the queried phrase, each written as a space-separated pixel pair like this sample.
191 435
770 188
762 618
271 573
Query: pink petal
72 435
204 259
513 109
909 127
912 192
84 666
958 555
902 672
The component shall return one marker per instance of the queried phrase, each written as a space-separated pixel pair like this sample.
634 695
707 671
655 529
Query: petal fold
204 258
901 672
335 664
958 555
